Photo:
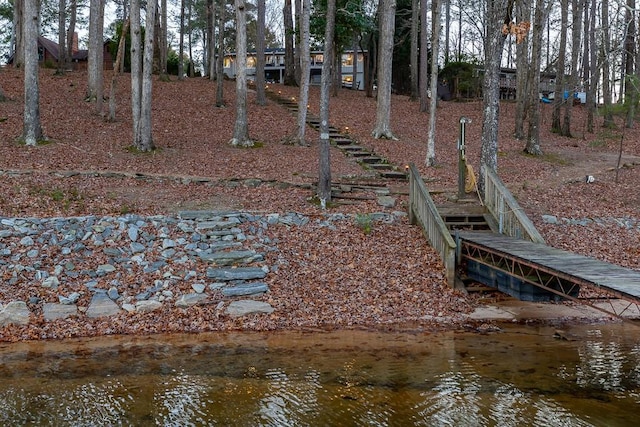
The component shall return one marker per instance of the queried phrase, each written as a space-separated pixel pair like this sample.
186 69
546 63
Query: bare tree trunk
385 55
423 78
523 11
498 14
558 100
62 21
220 59
533 134
241 128
324 178
447 8
181 46
354 68
32 129
631 84
164 48
296 51
18 31
116 71
136 69
305 67
192 71
592 78
436 10
289 61
95 60
210 69
145 141
606 70
261 97
576 32
415 30
71 32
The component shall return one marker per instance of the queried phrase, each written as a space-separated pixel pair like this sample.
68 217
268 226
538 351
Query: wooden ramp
560 272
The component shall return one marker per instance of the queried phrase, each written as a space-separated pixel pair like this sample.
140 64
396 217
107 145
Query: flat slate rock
101 305
53 311
245 289
232 257
242 273
245 307
189 300
16 312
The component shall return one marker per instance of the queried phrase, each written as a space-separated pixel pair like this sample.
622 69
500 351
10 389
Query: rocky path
102 266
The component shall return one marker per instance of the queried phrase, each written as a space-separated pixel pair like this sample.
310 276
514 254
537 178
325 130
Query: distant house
48 54
274 66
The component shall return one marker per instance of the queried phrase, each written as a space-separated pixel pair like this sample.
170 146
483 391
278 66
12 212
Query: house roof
53 48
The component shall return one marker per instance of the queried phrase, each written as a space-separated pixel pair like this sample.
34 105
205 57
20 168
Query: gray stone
168 243
386 201
16 312
245 289
52 311
189 300
112 252
51 282
198 287
550 219
27 241
132 232
113 293
245 307
101 305
147 306
105 268
243 273
71 299
32 253
137 247
232 257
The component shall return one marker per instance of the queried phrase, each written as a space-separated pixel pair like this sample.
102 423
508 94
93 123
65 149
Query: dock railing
422 210
512 221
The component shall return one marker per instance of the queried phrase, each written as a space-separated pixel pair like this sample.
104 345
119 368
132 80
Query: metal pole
462 160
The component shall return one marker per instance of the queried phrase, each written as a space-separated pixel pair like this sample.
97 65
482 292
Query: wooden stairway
470 217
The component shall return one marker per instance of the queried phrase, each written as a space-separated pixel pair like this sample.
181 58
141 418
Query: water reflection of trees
461 397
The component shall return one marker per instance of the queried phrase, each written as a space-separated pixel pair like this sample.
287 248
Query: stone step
394 175
370 160
342 141
381 166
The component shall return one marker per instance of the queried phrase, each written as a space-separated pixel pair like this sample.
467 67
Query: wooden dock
554 270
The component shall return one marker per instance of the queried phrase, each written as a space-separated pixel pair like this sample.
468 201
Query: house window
251 62
318 58
347 60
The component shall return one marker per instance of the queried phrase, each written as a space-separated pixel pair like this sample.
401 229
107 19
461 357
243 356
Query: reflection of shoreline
521 375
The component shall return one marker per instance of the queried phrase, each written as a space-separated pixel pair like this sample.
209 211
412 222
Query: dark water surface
521 376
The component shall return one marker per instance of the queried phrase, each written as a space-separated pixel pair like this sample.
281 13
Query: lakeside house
274 66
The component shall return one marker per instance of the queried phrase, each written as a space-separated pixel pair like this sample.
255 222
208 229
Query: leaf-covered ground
334 278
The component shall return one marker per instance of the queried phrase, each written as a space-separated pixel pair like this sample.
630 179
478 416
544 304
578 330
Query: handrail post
462 159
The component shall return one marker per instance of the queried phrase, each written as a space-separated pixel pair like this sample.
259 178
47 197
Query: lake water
520 376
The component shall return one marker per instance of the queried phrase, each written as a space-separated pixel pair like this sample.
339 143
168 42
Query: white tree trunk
324 177
220 59
305 68
435 53
95 59
32 132
241 128
423 80
261 97
497 15
136 69
385 57
145 129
